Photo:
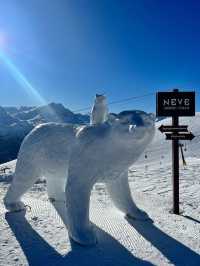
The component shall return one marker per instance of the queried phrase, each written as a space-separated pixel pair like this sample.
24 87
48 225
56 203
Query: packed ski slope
39 237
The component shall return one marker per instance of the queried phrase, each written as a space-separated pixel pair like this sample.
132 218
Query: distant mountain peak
58 107
15 123
52 112
5 118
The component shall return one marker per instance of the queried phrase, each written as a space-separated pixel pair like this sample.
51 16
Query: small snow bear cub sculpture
73 159
99 112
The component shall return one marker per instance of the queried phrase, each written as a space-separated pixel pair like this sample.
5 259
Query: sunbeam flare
20 78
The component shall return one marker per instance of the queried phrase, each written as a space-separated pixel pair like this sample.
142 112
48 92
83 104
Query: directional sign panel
181 136
175 103
168 128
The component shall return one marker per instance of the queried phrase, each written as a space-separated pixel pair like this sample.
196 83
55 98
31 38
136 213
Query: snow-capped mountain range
16 123
53 112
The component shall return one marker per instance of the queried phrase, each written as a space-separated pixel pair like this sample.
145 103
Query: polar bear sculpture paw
15 206
84 237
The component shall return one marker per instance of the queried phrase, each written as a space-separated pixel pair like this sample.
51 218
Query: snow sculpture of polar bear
73 159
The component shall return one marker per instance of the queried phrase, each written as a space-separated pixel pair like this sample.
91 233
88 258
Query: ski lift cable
118 101
130 99
123 100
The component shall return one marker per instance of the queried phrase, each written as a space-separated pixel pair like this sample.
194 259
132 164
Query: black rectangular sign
167 128
181 136
175 103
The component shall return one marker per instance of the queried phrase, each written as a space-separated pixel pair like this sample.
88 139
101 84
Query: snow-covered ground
38 236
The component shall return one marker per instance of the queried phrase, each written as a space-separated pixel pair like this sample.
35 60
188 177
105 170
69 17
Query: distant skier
99 112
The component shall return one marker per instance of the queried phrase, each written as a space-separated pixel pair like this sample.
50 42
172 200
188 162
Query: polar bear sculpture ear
100 96
112 117
152 116
149 119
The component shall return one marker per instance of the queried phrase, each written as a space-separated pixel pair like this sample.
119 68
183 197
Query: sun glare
19 76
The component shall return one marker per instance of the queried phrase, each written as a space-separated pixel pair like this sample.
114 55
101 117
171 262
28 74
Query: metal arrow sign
180 136
169 128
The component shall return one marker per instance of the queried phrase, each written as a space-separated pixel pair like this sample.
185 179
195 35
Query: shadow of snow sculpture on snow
37 251
176 252
73 159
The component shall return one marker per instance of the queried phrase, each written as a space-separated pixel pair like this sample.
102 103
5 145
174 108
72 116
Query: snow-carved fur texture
73 159
99 110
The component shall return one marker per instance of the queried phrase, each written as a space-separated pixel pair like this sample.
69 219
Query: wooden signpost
175 104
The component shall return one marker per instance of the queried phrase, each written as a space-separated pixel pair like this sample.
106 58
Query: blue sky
68 50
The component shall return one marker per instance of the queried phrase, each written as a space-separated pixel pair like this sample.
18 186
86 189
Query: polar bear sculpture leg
78 192
121 196
56 184
24 178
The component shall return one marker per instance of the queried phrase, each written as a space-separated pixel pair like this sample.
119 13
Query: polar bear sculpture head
133 127
118 142
132 131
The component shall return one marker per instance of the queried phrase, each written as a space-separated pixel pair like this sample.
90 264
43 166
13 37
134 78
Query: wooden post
175 166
